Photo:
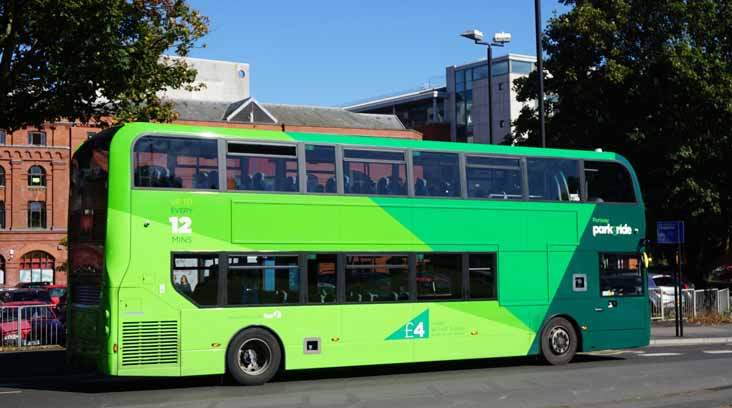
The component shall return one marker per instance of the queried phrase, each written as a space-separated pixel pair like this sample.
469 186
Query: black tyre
253 357
558 341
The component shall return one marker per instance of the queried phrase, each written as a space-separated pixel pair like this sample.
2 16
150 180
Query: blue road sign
670 232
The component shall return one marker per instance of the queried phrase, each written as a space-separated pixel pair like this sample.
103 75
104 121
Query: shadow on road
47 371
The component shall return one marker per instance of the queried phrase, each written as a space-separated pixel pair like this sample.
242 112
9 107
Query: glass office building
458 111
467 87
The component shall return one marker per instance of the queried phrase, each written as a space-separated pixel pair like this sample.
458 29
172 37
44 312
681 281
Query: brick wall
17 157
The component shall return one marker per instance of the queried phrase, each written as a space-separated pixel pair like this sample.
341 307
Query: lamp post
540 69
499 40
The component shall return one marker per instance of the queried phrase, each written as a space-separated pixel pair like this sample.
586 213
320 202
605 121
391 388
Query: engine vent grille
148 343
89 295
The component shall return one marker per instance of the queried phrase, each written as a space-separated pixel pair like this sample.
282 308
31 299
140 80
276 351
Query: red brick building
34 189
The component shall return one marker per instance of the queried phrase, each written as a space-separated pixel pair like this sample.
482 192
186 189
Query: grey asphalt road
661 377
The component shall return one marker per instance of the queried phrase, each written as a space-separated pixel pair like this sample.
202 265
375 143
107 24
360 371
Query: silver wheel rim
255 356
559 340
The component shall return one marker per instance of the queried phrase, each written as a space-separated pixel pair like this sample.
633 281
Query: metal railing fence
693 301
30 326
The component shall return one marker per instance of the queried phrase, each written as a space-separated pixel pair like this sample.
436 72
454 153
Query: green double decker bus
199 251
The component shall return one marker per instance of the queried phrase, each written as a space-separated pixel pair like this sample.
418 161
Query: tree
651 80
85 59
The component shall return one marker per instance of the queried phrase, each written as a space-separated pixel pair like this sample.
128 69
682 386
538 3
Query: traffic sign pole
672 232
681 298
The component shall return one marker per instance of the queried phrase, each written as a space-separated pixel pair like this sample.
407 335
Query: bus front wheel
253 357
558 341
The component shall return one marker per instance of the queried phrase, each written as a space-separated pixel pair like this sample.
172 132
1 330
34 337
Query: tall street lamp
499 40
540 69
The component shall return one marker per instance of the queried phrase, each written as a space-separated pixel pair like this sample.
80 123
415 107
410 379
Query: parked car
654 294
32 285
666 285
43 327
720 276
9 327
56 292
24 295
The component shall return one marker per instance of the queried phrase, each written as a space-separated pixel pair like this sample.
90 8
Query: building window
36 176
36 214
502 124
2 137
500 86
500 68
2 270
37 138
2 176
2 214
521 67
36 266
480 72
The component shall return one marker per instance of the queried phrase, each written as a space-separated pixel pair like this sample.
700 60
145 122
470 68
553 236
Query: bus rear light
114 348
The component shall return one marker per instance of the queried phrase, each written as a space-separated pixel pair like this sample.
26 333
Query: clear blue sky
330 52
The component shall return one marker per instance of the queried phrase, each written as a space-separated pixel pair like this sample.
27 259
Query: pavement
663 334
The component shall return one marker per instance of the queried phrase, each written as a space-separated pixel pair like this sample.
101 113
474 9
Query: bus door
623 302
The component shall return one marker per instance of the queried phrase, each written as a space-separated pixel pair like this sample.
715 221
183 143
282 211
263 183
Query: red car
9 326
39 323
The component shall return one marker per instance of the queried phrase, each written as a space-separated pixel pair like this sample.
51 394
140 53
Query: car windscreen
663 281
56 292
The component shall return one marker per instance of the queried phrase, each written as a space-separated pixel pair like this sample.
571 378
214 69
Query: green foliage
651 80
86 59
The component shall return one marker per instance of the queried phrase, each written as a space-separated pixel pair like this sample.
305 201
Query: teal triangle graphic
415 329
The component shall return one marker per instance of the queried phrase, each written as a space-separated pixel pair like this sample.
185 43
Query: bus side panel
206 334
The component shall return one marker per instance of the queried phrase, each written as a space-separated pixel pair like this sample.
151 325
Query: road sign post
672 233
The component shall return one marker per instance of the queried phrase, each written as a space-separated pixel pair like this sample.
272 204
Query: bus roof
138 128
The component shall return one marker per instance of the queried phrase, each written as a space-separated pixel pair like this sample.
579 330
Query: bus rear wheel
253 357
558 341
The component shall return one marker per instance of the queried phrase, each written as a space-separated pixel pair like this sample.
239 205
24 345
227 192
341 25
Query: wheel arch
262 327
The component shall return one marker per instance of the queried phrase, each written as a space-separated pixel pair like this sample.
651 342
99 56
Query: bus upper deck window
173 162
261 167
372 172
553 179
320 167
494 177
608 182
436 174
